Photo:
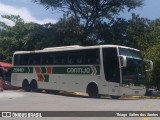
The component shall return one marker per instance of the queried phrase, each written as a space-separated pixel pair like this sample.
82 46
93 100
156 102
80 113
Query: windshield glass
130 53
134 73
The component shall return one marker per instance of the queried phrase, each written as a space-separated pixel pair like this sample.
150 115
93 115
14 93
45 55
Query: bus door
111 70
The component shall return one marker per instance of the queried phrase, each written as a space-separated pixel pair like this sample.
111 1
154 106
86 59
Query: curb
138 97
142 97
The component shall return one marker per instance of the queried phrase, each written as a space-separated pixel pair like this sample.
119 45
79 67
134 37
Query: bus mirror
123 61
150 65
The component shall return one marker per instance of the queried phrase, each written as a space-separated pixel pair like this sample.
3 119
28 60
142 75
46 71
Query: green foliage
13 18
32 36
91 12
132 33
152 52
68 31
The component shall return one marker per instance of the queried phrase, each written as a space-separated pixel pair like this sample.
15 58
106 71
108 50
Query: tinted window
76 57
130 53
111 65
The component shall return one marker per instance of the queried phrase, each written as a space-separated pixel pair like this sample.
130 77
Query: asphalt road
29 101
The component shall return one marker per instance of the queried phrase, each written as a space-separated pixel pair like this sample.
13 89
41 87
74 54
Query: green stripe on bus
46 78
30 69
43 70
88 70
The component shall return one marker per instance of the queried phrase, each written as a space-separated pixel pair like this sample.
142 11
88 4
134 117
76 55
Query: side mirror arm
123 61
151 65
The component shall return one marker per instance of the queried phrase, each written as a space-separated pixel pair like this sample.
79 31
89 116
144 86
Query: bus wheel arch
26 86
92 90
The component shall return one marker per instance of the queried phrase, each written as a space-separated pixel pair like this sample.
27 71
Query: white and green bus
97 70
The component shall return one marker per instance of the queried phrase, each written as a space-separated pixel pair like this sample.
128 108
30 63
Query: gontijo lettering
79 70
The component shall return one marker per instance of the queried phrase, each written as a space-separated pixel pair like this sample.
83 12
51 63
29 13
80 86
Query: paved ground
23 101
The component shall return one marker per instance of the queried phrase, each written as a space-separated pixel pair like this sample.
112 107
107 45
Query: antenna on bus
62 47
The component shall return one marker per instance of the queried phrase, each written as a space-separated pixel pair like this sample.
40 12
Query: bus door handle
76 83
115 86
104 85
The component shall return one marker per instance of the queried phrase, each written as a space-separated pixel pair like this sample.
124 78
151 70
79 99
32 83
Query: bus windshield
130 53
134 73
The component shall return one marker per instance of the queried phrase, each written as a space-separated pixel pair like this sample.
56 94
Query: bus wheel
92 90
115 97
33 86
26 86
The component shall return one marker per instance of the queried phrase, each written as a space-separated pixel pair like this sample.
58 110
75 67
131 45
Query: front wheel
92 91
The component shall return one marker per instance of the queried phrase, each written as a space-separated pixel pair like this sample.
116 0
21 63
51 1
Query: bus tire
92 90
34 86
115 97
26 86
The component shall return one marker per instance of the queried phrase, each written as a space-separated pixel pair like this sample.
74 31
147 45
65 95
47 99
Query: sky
32 12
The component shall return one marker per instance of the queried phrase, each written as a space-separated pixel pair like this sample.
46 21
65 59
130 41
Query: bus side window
92 59
49 60
46 60
55 60
75 60
30 59
64 59
44 57
35 59
70 61
91 56
17 59
24 60
79 61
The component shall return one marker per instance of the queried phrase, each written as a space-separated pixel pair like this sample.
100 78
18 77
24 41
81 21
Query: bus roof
73 47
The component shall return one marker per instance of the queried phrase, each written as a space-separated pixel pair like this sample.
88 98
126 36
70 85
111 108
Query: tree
152 52
114 32
19 37
32 36
138 32
133 33
90 12
68 31
13 18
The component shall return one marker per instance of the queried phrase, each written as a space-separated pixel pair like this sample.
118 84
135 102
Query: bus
97 70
